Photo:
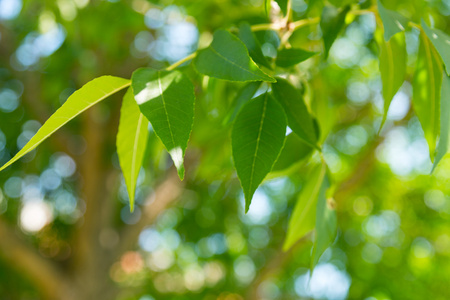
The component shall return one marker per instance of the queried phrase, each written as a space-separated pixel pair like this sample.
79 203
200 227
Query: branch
44 274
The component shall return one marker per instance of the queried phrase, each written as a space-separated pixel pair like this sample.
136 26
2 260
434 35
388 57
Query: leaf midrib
135 148
165 109
258 139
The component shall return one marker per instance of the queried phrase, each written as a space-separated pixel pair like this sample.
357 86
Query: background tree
362 86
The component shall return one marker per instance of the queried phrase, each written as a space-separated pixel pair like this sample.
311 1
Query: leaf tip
181 173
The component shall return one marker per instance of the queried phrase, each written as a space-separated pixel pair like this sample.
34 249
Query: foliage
283 97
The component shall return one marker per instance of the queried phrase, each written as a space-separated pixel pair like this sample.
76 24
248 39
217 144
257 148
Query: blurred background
66 231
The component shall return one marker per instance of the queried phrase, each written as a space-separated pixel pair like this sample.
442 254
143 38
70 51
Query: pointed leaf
166 98
444 138
131 142
331 23
326 224
257 139
441 42
392 69
227 58
299 119
254 48
87 96
426 91
303 218
393 22
290 57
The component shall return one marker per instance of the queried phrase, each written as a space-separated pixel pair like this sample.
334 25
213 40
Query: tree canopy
221 149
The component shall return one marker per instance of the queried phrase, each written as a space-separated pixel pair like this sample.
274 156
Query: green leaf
244 95
299 119
254 48
392 68
426 91
393 22
441 42
444 138
303 218
295 150
227 58
166 98
257 139
331 23
290 57
87 96
267 7
283 5
326 224
131 142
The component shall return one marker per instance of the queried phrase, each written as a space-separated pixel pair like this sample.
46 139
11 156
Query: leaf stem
288 12
181 61
302 23
270 26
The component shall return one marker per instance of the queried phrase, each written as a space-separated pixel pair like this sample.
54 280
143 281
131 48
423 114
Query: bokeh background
66 231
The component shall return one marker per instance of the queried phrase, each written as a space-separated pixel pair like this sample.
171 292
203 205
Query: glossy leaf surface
393 22
299 119
331 23
167 100
257 139
227 58
303 218
87 96
426 91
254 48
131 142
441 41
392 68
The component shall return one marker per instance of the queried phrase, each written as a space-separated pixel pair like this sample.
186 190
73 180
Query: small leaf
254 48
331 23
392 69
393 22
244 95
299 119
166 98
227 58
87 96
295 150
444 138
290 57
303 218
131 142
257 139
426 91
326 224
441 42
